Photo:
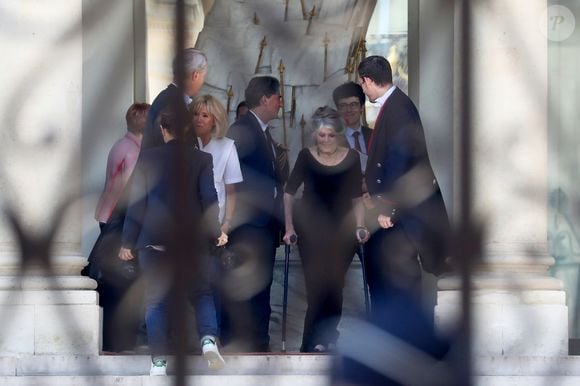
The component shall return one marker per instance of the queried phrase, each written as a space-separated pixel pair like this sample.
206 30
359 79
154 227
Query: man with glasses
349 99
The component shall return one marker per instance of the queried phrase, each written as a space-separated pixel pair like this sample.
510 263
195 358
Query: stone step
255 380
256 370
138 365
197 380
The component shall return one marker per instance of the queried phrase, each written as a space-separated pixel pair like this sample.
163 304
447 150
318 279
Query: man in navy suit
412 232
409 208
175 97
257 221
349 99
167 180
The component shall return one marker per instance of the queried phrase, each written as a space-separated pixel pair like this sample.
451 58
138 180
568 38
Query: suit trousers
246 314
391 261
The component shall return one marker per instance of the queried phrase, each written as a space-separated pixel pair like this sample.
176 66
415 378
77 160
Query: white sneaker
210 352
158 367
320 348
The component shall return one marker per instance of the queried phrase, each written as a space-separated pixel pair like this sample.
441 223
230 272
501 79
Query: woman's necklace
328 155
328 159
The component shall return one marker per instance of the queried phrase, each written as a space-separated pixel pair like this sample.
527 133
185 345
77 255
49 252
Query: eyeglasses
351 106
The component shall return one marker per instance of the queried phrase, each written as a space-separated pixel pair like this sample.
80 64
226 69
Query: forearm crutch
285 296
361 256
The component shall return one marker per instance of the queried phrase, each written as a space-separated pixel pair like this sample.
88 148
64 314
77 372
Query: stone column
519 310
40 169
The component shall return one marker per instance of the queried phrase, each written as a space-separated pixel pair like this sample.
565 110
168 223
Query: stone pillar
40 169
519 310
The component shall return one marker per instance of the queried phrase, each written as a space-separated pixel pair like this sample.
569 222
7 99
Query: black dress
325 224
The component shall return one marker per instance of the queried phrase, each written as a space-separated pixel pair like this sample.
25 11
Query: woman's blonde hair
216 109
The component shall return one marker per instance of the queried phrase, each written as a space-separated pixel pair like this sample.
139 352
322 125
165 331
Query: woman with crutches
328 220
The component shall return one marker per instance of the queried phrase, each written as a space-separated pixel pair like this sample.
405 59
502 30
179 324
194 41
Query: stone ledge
138 365
15 283
498 296
528 366
258 370
61 265
503 281
526 380
34 297
198 380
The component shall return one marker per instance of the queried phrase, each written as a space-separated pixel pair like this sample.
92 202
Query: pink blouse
120 164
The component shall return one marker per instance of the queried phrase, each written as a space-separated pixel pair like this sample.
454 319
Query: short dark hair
347 90
168 121
240 105
260 86
376 68
136 117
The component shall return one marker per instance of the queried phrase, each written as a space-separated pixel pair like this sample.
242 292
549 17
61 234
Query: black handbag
104 261
227 258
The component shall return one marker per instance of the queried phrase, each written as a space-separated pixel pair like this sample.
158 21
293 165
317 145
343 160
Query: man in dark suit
175 97
410 231
349 99
409 208
163 177
257 220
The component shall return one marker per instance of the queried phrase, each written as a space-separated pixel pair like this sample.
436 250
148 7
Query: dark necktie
355 135
270 143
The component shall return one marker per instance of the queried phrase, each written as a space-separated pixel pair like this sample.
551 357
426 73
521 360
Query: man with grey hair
176 97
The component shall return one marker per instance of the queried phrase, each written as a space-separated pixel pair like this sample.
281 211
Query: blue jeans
157 281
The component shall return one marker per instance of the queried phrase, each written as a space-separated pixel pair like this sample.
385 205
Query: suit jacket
150 216
171 98
256 204
398 163
366 132
399 176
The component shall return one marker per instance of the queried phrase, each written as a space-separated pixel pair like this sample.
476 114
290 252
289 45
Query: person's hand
290 237
368 201
222 240
226 227
362 234
125 254
385 222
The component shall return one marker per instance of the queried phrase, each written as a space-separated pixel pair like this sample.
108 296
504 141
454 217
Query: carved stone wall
296 36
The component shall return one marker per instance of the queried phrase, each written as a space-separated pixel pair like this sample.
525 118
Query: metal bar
281 70
293 107
183 263
302 125
326 40
263 44
285 295
229 94
465 240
